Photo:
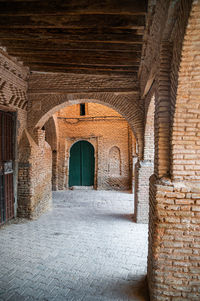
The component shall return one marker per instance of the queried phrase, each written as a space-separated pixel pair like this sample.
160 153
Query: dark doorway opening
6 166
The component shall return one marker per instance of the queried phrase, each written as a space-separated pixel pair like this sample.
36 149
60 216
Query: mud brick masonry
138 62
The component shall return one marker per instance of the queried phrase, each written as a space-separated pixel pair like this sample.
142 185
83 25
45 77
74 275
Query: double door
81 164
6 166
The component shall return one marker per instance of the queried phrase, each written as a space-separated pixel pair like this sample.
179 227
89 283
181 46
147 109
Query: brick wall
35 172
186 125
174 218
143 171
110 138
51 136
173 258
13 97
45 99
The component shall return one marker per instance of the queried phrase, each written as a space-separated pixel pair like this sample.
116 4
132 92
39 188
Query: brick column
173 260
143 171
162 113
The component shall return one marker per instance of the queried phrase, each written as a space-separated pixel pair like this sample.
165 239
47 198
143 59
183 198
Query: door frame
69 143
15 153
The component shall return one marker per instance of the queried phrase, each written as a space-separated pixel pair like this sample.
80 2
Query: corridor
86 248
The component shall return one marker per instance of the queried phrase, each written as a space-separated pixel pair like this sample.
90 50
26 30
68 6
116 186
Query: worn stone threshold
82 187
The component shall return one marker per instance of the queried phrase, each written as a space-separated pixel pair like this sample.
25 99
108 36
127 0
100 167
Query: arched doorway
81 164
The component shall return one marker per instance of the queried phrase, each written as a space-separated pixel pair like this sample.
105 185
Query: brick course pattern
106 130
173 258
174 218
35 172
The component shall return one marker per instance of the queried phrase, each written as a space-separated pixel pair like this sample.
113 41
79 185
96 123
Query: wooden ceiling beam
79 55
72 35
37 48
82 70
123 61
45 7
113 68
74 21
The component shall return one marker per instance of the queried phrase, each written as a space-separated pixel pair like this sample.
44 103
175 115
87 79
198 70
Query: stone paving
87 248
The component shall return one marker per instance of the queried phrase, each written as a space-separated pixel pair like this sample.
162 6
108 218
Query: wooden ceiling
76 36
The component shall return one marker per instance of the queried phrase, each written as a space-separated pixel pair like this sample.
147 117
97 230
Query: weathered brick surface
110 138
186 126
169 71
43 104
51 136
174 217
35 172
173 260
143 171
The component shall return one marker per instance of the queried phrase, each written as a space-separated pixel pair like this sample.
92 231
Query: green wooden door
81 164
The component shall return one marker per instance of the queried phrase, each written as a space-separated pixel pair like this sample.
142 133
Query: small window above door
82 109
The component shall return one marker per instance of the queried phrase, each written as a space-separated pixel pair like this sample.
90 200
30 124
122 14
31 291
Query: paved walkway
86 249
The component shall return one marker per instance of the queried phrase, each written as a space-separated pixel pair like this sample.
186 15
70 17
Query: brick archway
44 107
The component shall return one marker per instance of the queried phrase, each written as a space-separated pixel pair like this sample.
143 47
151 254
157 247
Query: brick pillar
173 258
163 114
143 171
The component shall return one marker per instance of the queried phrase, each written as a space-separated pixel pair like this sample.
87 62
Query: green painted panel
81 164
74 165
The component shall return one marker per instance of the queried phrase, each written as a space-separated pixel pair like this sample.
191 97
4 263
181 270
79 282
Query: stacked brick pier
174 236
143 171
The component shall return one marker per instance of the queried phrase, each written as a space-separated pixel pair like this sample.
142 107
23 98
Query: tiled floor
86 248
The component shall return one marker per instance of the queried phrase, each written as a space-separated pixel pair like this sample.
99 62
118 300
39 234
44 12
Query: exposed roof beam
74 21
31 8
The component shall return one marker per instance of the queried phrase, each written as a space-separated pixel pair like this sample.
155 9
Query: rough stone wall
35 172
106 135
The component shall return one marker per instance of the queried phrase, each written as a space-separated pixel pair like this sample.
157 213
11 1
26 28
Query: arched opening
108 132
131 112
81 164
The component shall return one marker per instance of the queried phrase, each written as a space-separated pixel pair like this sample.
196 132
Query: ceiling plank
72 7
72 35
82 70
73 21
122 61
79 54
91 47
